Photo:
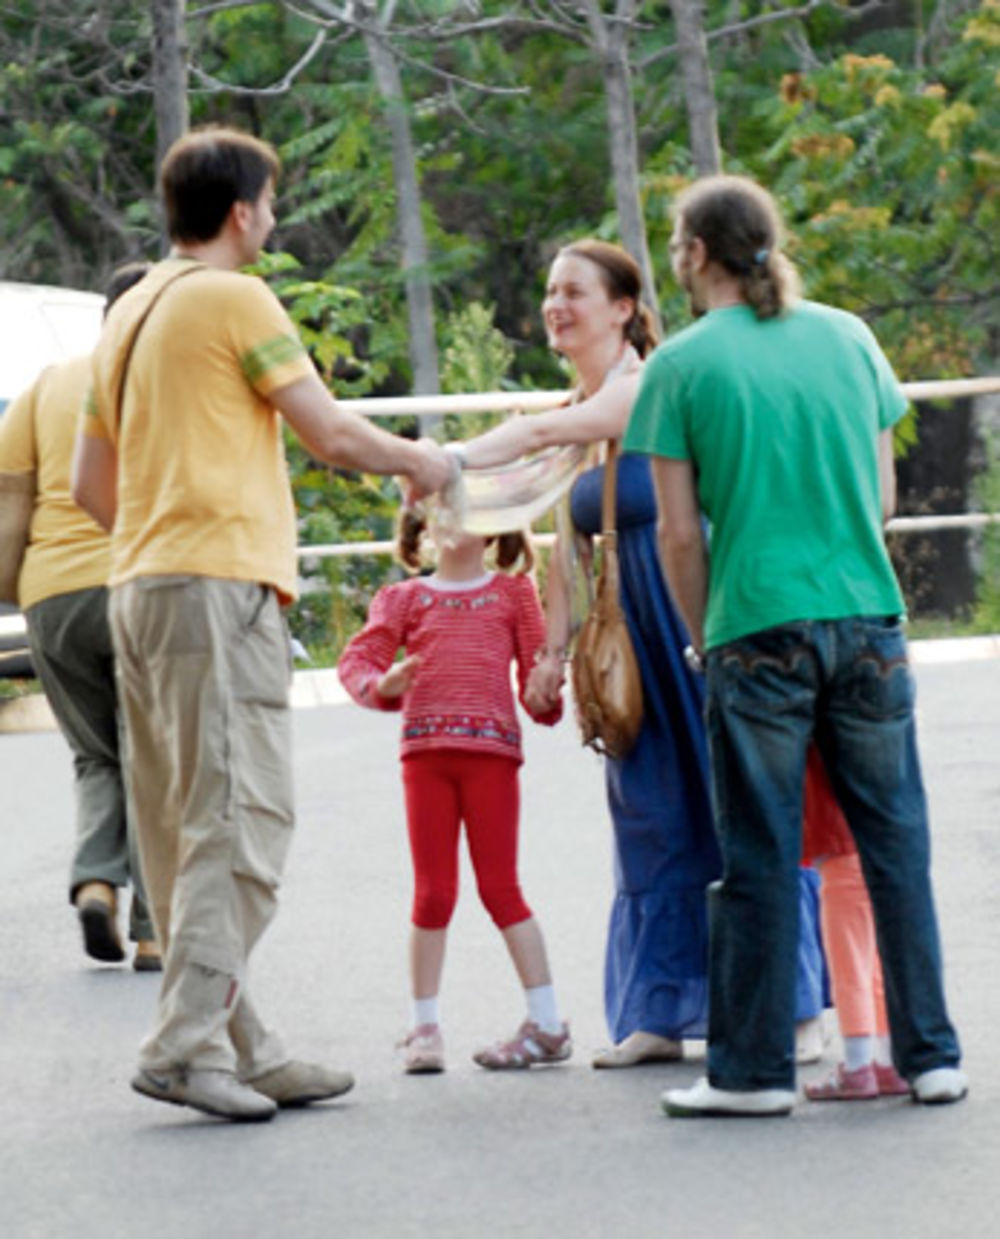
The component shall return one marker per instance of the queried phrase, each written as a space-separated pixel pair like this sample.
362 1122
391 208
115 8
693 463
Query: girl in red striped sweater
460 630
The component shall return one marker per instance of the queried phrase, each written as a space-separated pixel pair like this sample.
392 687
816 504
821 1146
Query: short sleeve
892 403
656 427
271 354
90 423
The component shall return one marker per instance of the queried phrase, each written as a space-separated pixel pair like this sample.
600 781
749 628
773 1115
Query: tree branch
943 303
281 87
375 30
766 19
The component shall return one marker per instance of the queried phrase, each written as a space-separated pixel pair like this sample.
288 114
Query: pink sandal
844 1085
529 1048
424 1051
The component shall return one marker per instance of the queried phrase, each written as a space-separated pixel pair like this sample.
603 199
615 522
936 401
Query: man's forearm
352 442
686 568
95 479
356 444
682 542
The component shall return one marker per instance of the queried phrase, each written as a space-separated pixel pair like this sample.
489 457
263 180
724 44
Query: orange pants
851 950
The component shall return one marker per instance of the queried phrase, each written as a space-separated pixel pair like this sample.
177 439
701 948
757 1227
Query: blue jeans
846 684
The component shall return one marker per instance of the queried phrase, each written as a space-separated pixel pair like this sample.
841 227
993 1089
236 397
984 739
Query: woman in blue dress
665 852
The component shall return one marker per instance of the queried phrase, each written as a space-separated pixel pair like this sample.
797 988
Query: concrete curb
26 714
323 688
955 650
311 689
317 688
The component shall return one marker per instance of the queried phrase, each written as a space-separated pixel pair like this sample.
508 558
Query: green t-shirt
781 419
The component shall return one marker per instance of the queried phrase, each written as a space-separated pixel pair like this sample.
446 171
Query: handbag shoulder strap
609 491
131 342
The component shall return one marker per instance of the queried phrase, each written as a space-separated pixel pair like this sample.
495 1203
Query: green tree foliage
890 177
75 156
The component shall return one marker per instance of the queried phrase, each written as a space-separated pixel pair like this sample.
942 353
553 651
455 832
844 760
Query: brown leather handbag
605 674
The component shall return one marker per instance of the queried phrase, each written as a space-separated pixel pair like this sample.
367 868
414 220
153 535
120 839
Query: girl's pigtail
512 547
412 525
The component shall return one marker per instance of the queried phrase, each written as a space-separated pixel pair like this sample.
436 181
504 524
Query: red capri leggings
444 789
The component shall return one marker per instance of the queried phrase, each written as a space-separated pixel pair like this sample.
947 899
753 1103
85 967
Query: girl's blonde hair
513 550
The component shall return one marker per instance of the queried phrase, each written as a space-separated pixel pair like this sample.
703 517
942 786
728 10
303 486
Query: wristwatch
695 659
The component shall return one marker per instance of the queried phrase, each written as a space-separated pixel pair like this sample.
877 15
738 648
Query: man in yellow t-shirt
63 593
180 454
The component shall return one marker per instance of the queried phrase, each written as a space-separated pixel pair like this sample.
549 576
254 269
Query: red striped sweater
467 634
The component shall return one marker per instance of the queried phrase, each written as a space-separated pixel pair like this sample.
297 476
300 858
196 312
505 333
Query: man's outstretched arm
348 440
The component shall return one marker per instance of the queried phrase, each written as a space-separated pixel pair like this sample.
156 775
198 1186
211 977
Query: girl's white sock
542 1008
425 1011
858 1052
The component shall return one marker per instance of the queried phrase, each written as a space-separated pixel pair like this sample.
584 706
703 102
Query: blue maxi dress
665 850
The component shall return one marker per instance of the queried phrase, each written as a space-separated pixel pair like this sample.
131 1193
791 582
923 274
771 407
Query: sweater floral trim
460 726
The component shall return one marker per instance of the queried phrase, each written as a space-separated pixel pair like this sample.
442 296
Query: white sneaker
212 1092
704 1099
939 1086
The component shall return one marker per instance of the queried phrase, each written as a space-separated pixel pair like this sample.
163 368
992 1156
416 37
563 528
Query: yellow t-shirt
202 479
67 551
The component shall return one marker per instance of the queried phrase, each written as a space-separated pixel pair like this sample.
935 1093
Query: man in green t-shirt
773 417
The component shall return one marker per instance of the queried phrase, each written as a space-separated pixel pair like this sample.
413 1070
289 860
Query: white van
39 325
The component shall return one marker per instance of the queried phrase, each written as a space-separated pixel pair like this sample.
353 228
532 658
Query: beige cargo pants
204 669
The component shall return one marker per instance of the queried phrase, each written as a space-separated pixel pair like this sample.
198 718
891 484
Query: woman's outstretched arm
602 416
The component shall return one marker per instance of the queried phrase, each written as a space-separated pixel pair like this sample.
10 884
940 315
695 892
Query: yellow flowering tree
890 176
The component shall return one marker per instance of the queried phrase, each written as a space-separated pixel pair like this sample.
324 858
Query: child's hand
399 677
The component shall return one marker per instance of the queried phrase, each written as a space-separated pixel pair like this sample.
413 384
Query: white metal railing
536 401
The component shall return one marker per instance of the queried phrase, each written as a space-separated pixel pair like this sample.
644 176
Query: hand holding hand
399 677
543 689
433 470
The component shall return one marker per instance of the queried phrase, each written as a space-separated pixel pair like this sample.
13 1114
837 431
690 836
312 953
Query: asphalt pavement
565 1151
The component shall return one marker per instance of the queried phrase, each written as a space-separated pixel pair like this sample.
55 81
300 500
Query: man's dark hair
121 280
205 172
740 226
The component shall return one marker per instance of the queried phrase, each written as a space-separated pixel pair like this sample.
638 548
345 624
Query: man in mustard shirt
63 593
180 455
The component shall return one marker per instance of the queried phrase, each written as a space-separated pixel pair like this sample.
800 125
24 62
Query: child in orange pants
852 953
